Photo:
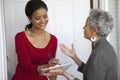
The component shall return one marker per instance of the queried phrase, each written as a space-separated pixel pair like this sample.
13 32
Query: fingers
47 74
57 72
54 72
68 51
63 48
72 46
53 62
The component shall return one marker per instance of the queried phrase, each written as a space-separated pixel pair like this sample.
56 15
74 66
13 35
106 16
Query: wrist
70 77
74 57
77 60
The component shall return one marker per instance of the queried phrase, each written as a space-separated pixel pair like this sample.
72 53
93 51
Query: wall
112 7
66 21
118 19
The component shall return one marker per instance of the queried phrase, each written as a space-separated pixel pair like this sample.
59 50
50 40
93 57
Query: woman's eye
45 16
37 18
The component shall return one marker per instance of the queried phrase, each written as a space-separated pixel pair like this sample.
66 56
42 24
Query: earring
93 38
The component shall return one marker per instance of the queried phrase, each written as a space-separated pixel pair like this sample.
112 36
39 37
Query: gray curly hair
102 20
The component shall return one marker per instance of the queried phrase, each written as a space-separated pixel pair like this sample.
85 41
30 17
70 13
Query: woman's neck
35 32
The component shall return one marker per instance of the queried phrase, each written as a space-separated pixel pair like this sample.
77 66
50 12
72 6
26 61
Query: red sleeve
23 55
54 45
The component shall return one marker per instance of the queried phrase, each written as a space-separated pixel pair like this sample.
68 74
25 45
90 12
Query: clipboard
63 66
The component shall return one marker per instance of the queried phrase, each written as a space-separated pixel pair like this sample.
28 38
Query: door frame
102 4
3 61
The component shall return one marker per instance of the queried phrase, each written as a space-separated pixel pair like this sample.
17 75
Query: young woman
35 48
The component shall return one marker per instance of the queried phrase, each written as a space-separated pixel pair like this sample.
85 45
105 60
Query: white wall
114 9
66 21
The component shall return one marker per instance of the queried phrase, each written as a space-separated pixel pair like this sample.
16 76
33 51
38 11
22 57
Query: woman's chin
42 28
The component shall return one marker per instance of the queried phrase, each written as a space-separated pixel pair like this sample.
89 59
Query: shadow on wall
11 60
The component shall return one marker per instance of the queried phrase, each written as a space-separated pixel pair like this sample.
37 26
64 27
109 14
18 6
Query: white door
66 21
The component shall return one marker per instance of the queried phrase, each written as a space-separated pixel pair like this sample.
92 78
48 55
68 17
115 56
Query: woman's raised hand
70 52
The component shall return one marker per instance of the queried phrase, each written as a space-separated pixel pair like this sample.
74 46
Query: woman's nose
42 20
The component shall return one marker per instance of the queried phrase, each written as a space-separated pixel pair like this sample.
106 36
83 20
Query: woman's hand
58 71
53 62
54 72
70 52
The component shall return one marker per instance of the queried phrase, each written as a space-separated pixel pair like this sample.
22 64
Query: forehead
87 20
40 12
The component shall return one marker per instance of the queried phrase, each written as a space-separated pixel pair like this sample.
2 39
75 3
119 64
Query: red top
30 57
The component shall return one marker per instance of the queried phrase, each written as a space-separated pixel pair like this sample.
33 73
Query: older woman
102 63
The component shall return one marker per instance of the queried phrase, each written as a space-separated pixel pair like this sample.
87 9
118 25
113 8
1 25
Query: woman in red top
34 46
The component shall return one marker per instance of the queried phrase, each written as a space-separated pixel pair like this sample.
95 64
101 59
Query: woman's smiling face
39 19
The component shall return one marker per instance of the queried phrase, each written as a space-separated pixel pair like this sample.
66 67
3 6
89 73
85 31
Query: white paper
63 66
